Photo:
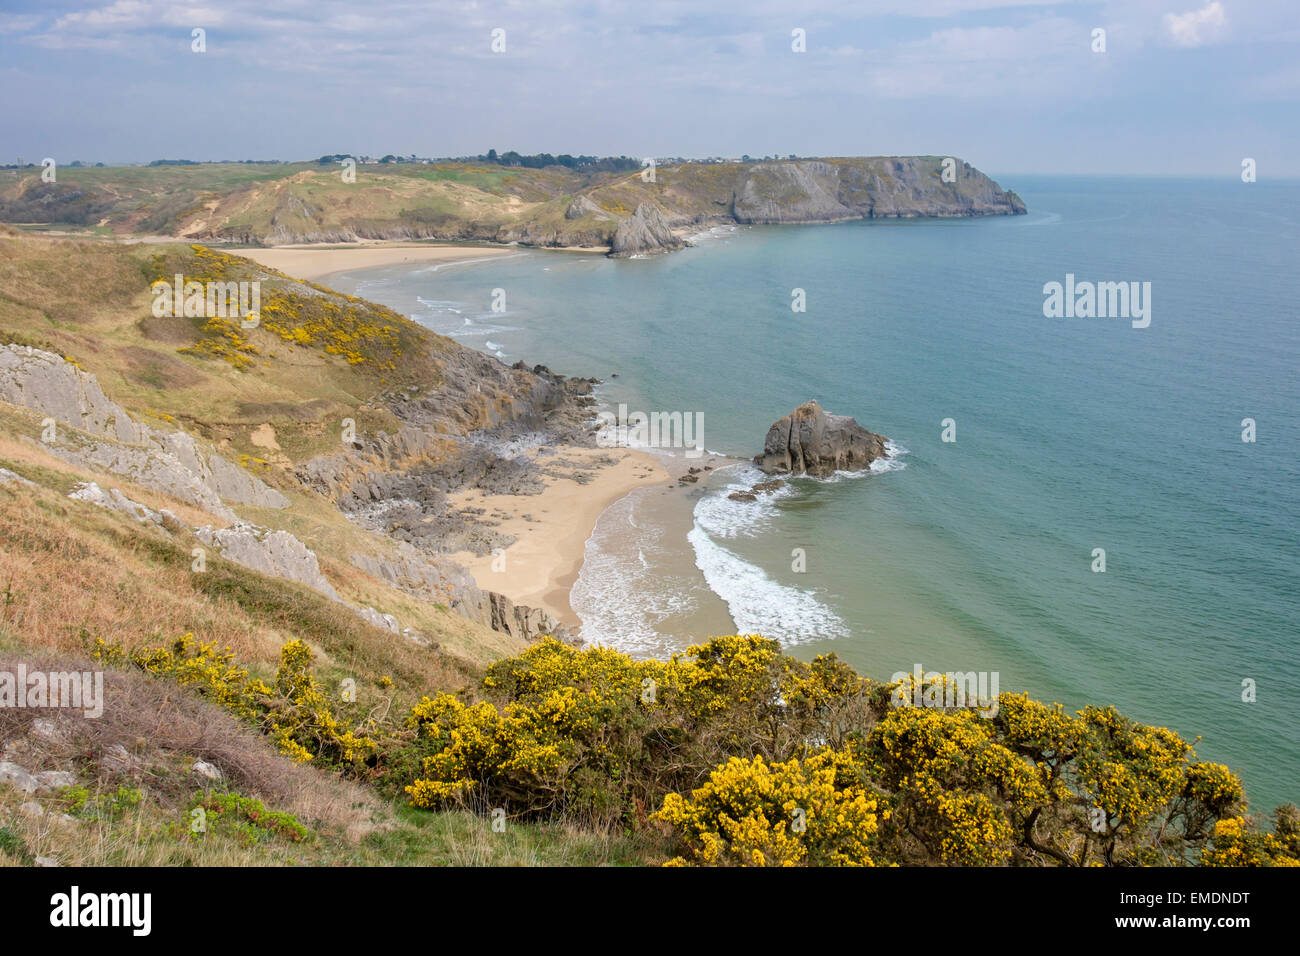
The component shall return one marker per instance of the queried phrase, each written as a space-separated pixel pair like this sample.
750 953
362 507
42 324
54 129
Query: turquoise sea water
1072 434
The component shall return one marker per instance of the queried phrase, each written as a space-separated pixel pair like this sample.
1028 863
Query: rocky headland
626 215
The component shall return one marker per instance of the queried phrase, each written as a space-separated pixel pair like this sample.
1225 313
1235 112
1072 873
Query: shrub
294 710
814 812
243 817
728 738
596 734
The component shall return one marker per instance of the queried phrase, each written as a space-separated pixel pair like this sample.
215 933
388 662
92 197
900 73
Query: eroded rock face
114 500
791 192
438 579
643 233
46 383
271 552
883 187
814 442
525 623
583 206
170 462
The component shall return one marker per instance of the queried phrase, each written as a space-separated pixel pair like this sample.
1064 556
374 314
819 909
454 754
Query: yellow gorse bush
723 744
597 733
751 813
294 710
301 314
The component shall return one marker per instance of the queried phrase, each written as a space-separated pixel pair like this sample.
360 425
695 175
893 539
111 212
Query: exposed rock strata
170 462
813 442
644 233
276 553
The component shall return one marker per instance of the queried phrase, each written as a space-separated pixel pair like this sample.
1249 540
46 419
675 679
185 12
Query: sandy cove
542 565
314 262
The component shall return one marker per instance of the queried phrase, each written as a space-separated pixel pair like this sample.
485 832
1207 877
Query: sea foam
760 605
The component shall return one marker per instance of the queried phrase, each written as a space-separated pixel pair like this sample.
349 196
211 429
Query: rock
271 552
8 477
689 479
18 778
114 500
149 468
227 480
440 580
31 809
170 462
766 487
115 759
643 233
48 861
47 383
790 192
583 206
525 623
201 768
386 621
814 442
49 781
45 730
419 640
882 187
742 496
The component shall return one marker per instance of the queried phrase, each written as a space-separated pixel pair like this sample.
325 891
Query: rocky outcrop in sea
814 442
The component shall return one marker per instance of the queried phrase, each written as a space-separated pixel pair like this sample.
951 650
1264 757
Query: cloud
1045 56
1198 27
17 22
124 14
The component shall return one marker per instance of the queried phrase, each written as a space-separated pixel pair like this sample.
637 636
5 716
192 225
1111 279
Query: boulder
814 442
18 778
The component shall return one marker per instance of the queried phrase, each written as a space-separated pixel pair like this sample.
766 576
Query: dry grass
71 572
162 729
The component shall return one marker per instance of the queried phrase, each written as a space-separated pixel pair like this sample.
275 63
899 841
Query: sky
1182 87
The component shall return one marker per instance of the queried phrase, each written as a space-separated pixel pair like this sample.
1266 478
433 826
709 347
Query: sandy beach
318 261
552 527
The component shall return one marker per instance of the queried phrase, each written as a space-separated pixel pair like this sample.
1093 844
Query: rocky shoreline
397 485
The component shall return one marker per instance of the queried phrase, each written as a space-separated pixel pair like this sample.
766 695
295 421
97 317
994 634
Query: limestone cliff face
583 206
790 192
877 188
644 233
813 442
171 462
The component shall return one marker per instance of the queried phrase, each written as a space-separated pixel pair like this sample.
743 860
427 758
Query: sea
1097 510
